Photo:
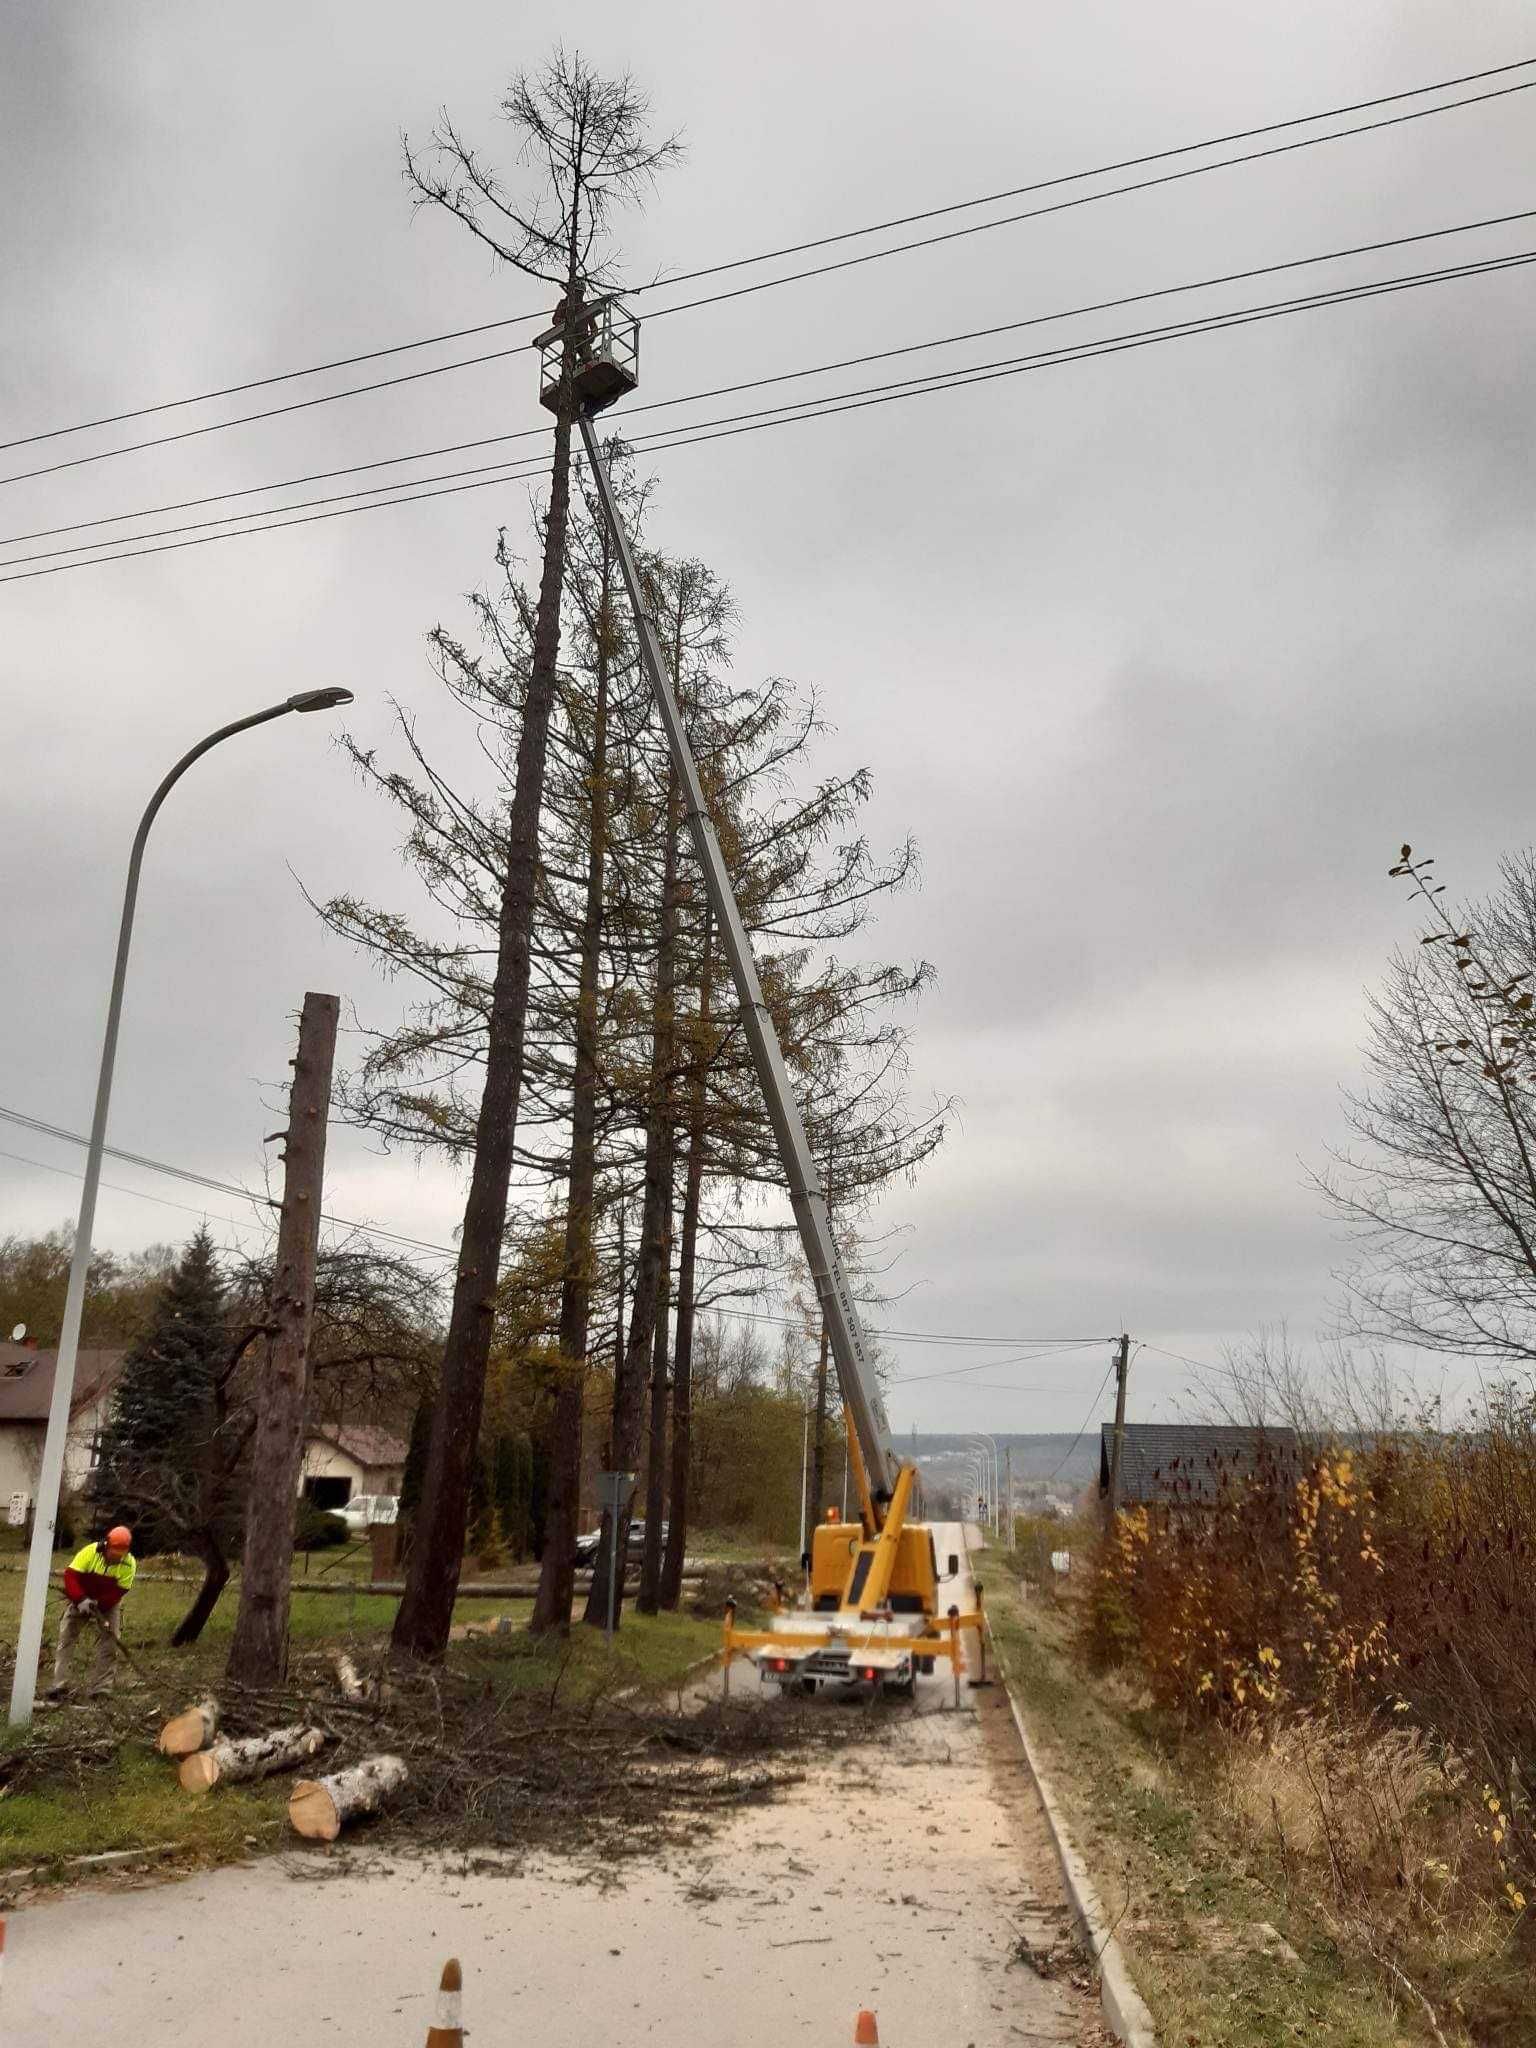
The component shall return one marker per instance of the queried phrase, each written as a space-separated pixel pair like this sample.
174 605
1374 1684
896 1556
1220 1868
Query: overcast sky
1160 657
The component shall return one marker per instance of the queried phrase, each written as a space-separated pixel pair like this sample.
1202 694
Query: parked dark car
586 1546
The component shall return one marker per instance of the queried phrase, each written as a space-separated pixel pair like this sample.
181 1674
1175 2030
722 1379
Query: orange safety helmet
120 1538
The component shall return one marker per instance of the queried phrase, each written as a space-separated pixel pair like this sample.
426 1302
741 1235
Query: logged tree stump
256 1756
319 1808
185 1734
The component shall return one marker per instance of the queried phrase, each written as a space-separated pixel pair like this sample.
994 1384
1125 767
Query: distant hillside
1034 1457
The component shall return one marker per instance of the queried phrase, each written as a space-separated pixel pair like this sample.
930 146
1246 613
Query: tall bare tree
587 134
1439 1185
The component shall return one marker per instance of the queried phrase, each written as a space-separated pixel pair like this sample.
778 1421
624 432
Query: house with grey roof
1191 1465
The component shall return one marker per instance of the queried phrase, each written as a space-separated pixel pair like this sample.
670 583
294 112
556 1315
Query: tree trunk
682 1362
437 1548
655 1223
557 1572
648 1600
319 1808
215 1579
819 1446
258 1654
184 1734
255 1756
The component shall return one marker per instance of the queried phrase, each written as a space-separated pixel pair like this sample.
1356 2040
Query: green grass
726 1546
137 1804
1169 1865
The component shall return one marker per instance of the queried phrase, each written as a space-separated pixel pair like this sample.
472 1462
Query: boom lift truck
873 1620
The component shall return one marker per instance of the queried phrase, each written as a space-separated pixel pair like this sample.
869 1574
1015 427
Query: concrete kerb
1123 2005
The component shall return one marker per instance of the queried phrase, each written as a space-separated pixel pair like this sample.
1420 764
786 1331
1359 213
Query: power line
793 277
1129 163
790 249
784 376
799 411
1092 1406
117 1188
953 1372
203 1180
185 1173
246 419
1084 199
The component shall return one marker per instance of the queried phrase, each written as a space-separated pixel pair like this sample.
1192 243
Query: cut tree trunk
437 1543
185 1734
319 1808
258 1653
253 1756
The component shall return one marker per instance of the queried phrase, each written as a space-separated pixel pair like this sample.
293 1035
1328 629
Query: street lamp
45 1514
981 1437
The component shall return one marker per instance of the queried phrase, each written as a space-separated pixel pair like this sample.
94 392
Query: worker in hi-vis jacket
95 1581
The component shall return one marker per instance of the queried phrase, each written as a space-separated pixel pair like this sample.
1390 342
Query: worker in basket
95 1581
580 327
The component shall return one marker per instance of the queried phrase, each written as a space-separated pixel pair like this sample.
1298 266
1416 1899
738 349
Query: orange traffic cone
865 2033
447 2028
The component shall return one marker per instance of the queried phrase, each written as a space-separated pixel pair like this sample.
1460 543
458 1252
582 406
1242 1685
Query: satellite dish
18 1333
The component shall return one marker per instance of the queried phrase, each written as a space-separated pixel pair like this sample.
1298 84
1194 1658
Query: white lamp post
50 1476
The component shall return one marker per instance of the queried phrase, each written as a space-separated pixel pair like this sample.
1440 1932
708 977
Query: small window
327 1494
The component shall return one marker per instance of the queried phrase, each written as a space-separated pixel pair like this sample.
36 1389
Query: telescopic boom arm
855 1370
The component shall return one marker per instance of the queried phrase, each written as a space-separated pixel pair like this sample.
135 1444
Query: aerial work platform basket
604 338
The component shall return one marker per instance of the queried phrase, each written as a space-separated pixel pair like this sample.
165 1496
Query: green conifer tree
154 1451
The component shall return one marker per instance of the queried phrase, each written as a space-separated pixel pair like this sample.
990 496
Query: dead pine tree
588 135
258 1655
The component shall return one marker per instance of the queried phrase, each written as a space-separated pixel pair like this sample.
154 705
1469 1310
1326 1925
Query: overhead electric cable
1083 199
954 1372
793 277
792 249
1092 1406
799 411
1128 163
788 376
188 1174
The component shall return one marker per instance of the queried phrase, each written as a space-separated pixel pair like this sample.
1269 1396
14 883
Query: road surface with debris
911 1874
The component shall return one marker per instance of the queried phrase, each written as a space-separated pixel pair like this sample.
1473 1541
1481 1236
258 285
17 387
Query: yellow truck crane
873 1618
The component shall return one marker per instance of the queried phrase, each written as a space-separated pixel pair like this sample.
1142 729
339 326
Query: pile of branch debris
457 1758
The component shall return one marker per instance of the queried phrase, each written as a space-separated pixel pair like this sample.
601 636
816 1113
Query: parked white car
366 1510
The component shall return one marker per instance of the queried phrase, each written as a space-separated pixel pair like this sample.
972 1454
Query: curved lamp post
45 1512
980 1437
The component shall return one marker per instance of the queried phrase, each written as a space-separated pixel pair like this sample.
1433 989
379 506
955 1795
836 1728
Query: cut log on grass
319 1808
349 1678
256 1756
185 1734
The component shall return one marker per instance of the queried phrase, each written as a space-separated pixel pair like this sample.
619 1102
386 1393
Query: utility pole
1008 1482
258 1655
1117 1443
